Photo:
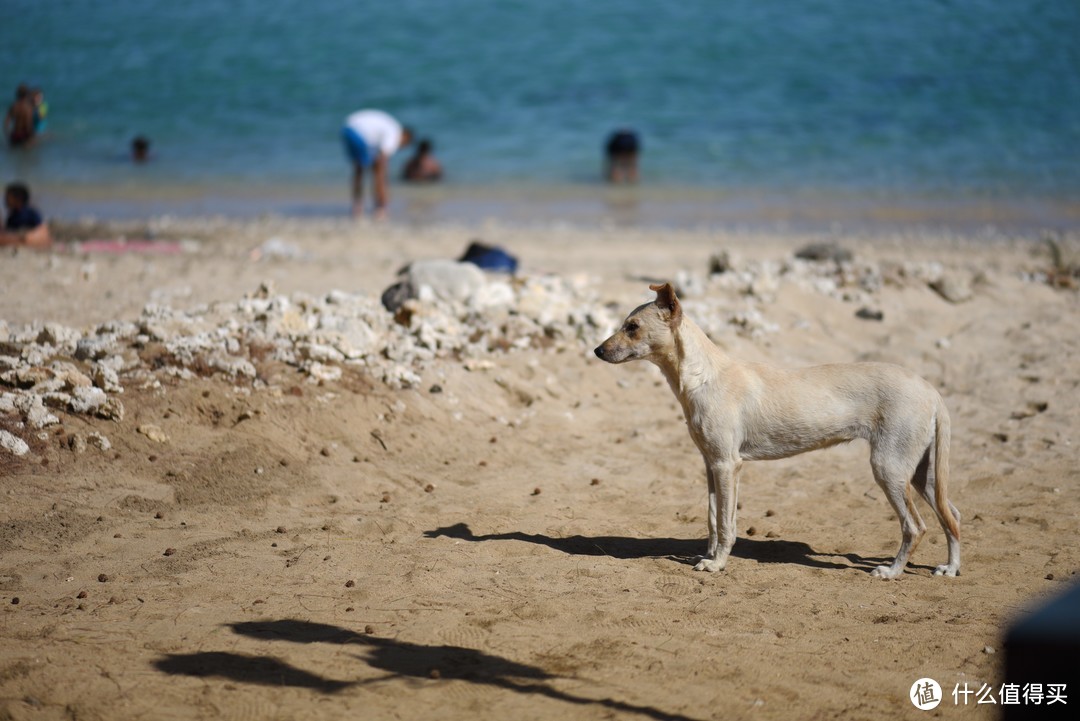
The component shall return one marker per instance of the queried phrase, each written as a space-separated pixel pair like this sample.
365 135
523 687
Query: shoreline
588 205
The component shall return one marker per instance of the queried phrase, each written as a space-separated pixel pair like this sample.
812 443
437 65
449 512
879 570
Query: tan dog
740 411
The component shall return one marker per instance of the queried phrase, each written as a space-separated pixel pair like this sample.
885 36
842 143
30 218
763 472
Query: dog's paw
885 572
946 570
709 564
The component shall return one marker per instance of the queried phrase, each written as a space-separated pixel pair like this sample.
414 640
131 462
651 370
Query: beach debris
77 443
1064 258
1032 409
952 288
278 248
153 432
491 258
13 444
824 252
720 263
98 441
438 311
869 314
438 279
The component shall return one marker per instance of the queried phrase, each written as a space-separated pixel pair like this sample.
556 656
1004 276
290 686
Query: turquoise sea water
931 100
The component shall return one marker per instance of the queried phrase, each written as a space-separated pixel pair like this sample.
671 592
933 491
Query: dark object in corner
1043 647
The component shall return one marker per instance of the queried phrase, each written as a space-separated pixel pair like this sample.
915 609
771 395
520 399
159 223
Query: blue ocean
921 103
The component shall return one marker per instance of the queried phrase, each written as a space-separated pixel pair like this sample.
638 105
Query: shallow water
928 99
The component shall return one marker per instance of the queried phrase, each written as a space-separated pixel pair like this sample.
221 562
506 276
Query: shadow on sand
397 659
683 550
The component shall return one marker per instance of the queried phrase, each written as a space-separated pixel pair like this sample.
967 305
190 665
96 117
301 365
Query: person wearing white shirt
371 137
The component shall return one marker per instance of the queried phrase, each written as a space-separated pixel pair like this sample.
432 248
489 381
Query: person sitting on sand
371 137
423 167
19 121
24 225
622 150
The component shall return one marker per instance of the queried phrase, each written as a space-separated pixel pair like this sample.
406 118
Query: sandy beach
244 490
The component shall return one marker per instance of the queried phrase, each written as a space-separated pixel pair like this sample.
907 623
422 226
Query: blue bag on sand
489 258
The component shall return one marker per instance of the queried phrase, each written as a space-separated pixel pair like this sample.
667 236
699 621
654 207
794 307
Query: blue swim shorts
356 148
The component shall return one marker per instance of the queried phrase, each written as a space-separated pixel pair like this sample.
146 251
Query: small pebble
770 513
281 529
369 629
988 649
169 551
1049 577
536 492
429 488
594 482
350 583
159 515
258 600
751 531
349 609
118 535
102 578
435 673
325 452
15 600
81 594
435 389
869 314
385 498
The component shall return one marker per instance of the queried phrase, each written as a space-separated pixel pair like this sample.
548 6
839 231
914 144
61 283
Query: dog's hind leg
926 484
893 473
723 482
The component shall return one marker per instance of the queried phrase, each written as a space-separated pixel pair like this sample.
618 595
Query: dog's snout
599 351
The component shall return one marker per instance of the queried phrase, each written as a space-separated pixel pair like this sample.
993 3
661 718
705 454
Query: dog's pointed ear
667 300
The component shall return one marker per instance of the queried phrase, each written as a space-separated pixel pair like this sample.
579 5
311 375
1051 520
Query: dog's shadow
682 550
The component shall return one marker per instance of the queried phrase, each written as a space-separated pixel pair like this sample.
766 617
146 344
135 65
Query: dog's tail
942 434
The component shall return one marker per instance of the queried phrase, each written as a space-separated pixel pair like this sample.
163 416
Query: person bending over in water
371 137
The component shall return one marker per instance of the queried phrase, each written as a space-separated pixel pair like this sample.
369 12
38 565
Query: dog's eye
631 327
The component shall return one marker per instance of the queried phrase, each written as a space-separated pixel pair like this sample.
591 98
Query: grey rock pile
444 310
45 367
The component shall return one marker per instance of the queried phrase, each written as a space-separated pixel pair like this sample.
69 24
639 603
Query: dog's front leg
714 535
722 477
